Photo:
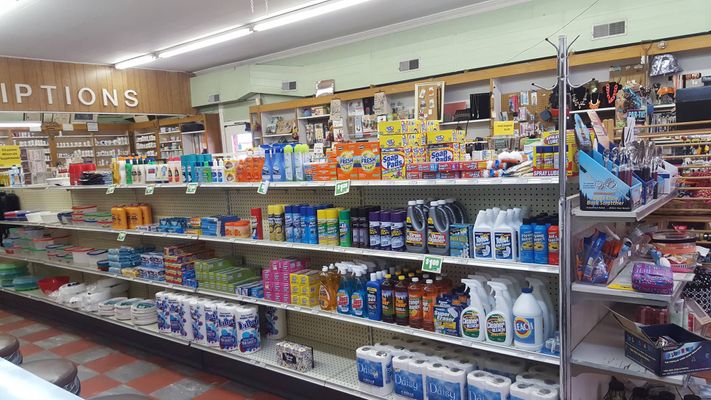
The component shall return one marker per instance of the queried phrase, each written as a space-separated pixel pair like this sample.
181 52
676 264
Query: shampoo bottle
499 321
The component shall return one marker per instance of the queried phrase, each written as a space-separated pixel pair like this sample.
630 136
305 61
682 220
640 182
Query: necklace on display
594 104
611 99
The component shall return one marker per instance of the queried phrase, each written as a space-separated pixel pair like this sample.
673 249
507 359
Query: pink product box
268 286
276 286
286 288
286 298
277 297
276 276
285 278
268 295
267 275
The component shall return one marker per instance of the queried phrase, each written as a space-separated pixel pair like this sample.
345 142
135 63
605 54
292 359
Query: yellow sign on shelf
503 128
9 156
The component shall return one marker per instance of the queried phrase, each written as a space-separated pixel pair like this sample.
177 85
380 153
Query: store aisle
106 368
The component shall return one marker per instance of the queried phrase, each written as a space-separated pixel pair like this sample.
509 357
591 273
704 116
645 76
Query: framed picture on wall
84 117
429 101
62 118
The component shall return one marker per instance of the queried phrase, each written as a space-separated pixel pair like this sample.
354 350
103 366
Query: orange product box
393 164
346 156
472 165
368 160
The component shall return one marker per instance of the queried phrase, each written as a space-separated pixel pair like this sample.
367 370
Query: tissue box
295 356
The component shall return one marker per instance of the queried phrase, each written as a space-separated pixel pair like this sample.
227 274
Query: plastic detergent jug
503 233
540 292
459 211
482 236
448 208
416 235
438 229
499 321
528 322
471 319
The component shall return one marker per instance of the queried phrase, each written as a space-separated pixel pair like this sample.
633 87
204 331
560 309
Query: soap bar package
295 356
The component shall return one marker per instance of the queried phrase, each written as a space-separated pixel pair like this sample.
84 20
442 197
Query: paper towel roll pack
296 356
227 326
197 317
212 335
247 319
276 322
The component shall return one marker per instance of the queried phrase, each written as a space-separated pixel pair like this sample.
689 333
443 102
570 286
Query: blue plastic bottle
311 226
304 211
267 168
296 222
374 297
359 303
343 296
540 243
278 173
289 223
526 246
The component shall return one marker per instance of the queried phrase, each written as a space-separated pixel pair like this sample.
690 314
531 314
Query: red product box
449 175
413 175
267 275
429 175
448 166
473 174
421 167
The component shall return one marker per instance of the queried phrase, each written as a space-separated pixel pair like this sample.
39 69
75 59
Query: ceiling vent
289 85
608 30
213 98
409 65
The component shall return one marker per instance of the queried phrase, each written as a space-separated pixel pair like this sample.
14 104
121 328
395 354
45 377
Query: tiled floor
106 368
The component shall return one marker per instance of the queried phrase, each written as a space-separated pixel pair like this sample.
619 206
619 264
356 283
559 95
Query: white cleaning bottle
510 288
528 322
471 320
503 238
499 322
482 292
546 304
482 236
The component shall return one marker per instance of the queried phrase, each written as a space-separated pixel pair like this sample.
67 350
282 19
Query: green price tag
150 189
121 236
342 187
111 189
432 264
192 188
263 187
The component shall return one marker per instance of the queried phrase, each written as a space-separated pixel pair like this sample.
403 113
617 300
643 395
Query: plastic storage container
80 255
49 285
677 247
22 283
97 255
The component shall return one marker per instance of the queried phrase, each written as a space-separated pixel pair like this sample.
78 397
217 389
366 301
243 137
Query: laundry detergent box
367 163
446 136
389 141
393 163
346 160
683 352
442 153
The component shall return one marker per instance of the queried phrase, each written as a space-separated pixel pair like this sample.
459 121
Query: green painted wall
502 36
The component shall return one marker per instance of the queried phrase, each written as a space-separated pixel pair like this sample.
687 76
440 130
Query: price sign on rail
342 187
191 188
150 189
121 236
263 187
432 264
111 189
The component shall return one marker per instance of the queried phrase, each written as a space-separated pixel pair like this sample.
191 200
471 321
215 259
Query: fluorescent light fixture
306 14
202 43
135 61
21 124
8 5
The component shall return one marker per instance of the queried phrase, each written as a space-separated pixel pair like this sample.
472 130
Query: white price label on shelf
263 187
191 188
150 189
111 189
121 236
342 187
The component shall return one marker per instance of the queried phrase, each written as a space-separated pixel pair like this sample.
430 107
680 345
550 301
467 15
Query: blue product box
601 190
689 354
459 236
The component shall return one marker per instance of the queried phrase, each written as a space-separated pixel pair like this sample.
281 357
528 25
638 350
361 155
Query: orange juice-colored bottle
135 216
119 219
401 301
326 295
429 299
146 214
415 293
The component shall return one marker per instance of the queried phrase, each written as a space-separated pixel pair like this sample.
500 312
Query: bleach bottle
438 229
499 321
540 292
471 320
482 236
528 322
416 235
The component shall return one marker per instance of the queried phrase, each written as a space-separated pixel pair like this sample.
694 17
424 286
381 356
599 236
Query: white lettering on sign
87 96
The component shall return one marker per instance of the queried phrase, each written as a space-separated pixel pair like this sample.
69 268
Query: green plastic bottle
344 228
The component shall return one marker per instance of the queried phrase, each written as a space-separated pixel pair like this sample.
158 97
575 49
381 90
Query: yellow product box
393 163
368 160
391 127
295 299
415 139
442 153
309 278
306 301
295 289
295 277
446 136
310 290
391 141
230 171
408 126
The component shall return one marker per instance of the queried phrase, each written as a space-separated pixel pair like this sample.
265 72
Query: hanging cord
558 30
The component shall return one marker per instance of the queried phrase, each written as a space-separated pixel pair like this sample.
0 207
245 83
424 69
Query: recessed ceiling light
202 43
307 13
136 61
8 5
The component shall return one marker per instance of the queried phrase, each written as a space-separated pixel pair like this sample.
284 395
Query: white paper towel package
247 319
276 322
186 323
163 312
544 394
227 326
212 335
445 383
197 318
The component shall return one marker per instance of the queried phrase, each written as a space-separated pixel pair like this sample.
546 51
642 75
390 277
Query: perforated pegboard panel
326 330
43 199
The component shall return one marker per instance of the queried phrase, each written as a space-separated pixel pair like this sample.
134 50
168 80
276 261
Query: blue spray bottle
359 306
374 297
343 296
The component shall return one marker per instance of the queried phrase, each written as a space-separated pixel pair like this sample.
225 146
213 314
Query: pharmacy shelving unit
146 139
334 336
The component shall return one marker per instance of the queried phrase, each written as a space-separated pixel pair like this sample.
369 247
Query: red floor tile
73 347
97 384
4 314
209 378
113 360
265 396
42 335
28 349
155 380
16 325
220 394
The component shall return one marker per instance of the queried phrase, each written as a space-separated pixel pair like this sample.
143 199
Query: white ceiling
108 31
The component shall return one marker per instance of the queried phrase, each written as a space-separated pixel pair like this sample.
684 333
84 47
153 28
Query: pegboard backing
329 331
43 199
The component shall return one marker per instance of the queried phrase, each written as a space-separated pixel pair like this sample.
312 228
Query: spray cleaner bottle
416 234
546 304
471 320
499 321
343 296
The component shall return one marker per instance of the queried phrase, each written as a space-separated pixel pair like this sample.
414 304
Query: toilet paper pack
408 377
444 383
375 371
